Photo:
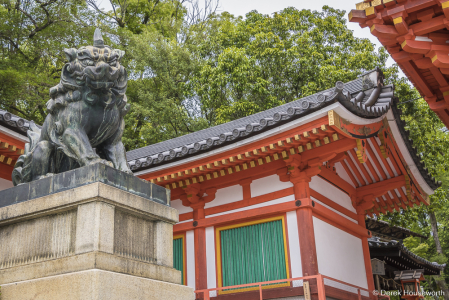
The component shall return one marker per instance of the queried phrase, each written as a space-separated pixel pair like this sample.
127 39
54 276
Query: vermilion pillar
366 256
300 174
200 248
306 233
197 203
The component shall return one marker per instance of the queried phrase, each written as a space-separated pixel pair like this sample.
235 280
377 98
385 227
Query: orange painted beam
361 166
332 148
239 150
356 171
438 76
412 46
256 213
382 205
376 161
432 25
241 204
372 170
12 141
384 160
416 77
333 204
6 171
348 171
273 210
380 188
384 31
337 181
398 200
350 226
248 202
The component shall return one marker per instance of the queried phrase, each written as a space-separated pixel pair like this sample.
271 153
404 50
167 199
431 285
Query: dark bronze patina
85 121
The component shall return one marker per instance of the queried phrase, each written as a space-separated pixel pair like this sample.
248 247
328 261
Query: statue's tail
22 169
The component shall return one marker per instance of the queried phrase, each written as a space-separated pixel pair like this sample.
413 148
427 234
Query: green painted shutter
178 257
253 253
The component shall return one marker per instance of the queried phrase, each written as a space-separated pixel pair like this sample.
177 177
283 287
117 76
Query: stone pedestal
89 234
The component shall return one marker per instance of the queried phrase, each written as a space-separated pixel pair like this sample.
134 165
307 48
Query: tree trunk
439 280
434 225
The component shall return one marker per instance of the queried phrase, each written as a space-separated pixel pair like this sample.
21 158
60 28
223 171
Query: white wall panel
330 191
339 254
293 244
226 195
181 208
267 185
5 184
343 174
334 210
210 258
190 257
268 203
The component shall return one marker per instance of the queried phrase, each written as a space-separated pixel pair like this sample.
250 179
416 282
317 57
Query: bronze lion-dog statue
85 122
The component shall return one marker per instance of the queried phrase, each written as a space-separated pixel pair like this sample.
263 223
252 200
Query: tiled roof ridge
398 227
397 112
365 96
14 122
375 242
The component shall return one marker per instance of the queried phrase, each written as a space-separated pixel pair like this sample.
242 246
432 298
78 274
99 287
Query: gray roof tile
366 96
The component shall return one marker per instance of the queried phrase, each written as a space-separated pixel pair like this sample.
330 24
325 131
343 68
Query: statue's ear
70 54
120 53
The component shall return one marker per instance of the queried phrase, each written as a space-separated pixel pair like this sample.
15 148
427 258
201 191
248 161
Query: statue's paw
101 161
45 176
129 172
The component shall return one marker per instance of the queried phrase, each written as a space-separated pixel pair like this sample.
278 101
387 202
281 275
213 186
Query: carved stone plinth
92 239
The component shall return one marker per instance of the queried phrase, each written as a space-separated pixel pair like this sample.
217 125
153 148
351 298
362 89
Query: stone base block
94 233
95 285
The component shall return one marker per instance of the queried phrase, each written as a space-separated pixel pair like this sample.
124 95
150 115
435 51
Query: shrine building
280 198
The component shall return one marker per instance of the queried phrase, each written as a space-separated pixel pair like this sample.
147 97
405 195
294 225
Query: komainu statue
85 121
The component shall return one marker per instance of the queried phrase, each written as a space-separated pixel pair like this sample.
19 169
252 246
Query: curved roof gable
366 97
14 122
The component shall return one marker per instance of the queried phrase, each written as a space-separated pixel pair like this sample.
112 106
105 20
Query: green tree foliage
33 35
263 61
221 68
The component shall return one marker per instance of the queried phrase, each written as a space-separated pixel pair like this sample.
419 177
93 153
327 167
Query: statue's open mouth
99 85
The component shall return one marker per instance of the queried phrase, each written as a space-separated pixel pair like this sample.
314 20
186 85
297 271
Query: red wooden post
306 233
321 288
367 257
260 291
200 250
206 295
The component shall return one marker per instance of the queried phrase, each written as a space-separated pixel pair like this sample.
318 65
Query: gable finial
98 39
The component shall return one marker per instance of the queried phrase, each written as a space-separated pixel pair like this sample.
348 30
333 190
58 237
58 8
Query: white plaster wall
293 244
190 257
339 254
330 191
5 184
181 208
267 185
268 203
343 174
210 260
226 195
334 210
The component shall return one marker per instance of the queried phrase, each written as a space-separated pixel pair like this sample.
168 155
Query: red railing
319 280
